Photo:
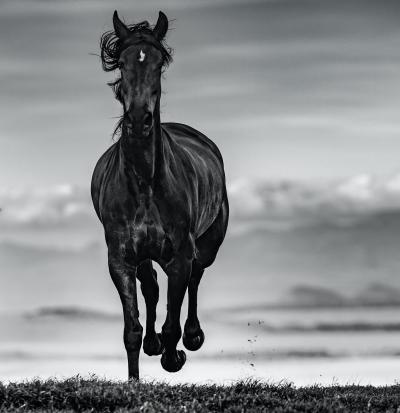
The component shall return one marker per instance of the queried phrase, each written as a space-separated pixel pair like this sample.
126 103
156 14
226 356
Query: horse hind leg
147 276
193 336
207 247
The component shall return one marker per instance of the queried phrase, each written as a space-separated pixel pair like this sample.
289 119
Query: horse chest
148 233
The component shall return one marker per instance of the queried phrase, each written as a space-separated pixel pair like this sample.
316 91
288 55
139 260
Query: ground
97 395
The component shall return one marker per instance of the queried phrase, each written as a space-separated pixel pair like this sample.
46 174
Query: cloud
287 204
56 205
271 204
287 79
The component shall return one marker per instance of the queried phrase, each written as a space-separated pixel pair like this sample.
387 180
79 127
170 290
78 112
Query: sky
288 89
301 96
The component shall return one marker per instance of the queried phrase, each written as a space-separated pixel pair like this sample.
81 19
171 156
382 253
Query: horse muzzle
140 126
147 124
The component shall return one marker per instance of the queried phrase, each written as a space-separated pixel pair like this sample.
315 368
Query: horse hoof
152 345
193 343
175 363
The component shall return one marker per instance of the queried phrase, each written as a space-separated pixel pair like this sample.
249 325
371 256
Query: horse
159 191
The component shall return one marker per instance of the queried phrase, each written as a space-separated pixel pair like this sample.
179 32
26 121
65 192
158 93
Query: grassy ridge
77 394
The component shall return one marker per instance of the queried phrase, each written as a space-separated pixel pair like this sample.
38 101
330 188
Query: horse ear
120 29
161 27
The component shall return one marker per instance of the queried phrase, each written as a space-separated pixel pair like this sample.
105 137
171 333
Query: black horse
160 193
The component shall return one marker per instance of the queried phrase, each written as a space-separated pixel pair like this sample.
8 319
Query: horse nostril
147 119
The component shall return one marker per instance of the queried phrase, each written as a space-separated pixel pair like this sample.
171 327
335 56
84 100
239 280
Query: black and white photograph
200 205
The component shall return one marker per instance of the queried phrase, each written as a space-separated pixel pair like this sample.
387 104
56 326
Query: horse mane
111 48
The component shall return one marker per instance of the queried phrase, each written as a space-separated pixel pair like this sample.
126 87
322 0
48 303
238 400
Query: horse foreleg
123 276
147 276
178 273
193 336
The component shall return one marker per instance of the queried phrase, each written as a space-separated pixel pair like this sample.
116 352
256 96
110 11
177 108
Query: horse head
140 56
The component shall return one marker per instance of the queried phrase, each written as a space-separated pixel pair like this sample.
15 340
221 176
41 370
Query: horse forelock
111 46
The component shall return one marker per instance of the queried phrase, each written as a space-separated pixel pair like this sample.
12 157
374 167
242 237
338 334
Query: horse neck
141 157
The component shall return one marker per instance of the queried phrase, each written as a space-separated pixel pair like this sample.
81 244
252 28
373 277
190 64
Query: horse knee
148 281
133 337
150 290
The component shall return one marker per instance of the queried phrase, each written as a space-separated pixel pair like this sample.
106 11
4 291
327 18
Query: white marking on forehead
141 56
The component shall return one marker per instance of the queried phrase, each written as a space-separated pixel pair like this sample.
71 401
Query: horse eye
120 65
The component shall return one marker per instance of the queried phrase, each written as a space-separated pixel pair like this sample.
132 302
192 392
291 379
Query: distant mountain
72 313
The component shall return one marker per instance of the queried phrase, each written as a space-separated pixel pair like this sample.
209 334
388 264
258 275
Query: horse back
186 136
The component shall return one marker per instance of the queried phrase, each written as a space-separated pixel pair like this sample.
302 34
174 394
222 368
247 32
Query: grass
95 395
